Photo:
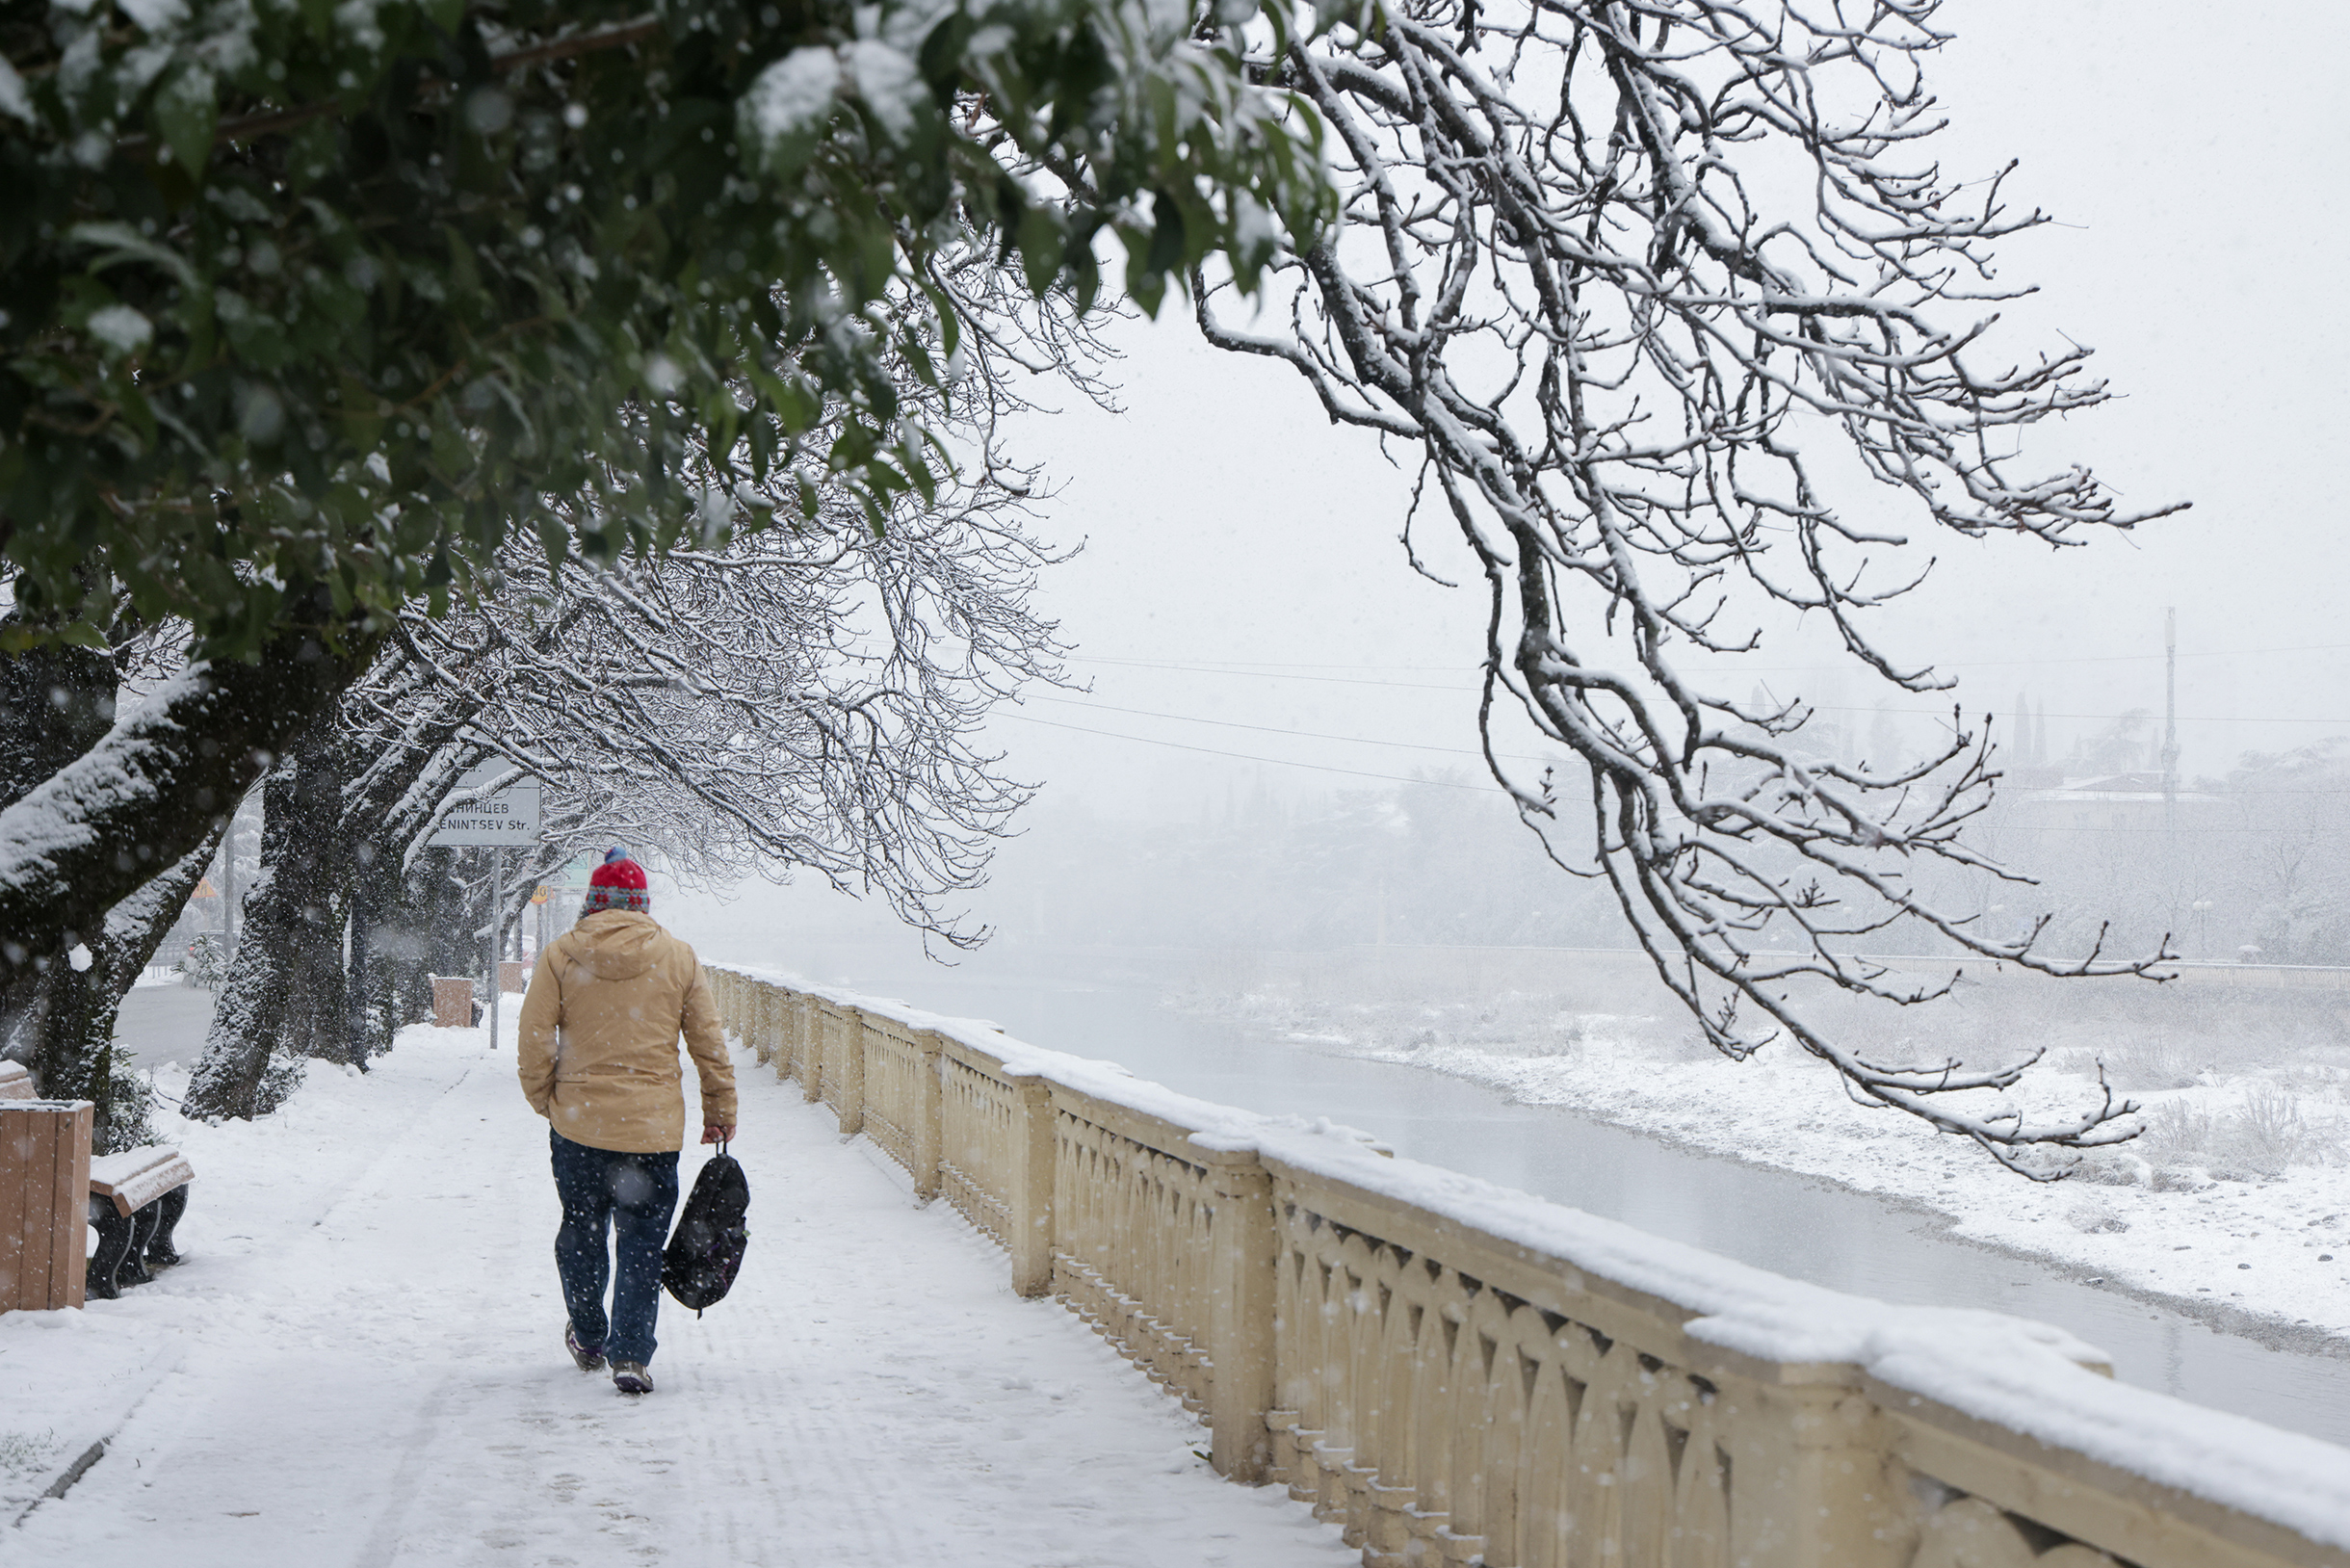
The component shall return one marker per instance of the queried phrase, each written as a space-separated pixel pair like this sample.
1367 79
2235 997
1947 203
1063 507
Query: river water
1790 1224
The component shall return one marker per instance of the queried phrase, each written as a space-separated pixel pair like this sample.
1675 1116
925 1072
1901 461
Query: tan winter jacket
599 1036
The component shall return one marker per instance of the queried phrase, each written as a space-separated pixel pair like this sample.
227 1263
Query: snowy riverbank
2235 1200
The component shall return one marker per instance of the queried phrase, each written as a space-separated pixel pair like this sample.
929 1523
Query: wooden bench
17 1082
136 1199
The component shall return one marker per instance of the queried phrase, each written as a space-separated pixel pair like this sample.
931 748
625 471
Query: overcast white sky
1241 585
2194 160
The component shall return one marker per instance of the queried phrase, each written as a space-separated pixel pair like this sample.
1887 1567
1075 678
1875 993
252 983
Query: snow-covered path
360 1363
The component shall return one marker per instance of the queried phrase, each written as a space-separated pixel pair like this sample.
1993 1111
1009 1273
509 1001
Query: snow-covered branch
1690 333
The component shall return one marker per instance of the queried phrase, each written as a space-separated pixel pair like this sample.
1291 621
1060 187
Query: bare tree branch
1683 320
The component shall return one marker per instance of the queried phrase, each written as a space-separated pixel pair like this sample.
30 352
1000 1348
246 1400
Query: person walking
598 1051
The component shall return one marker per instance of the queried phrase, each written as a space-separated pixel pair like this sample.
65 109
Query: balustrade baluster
929 1114
787 1033
1550 1529
1243 1253
1451 1397
1031 1188
1647 1485
815 1029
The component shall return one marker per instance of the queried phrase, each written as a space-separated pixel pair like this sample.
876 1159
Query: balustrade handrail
1460 1373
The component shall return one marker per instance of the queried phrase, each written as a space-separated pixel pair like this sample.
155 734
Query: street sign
508 819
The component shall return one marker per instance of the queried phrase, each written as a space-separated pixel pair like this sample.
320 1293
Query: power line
2109 658
2011 827
2145 714
1465 751
1276 729
1245 666
1277 761
1263 675
1822 707
2027 830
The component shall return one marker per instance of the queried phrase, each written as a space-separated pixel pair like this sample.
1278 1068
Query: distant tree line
2253 866
1443 860
2256 870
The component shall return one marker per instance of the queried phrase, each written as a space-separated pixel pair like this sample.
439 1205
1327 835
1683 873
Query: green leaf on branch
185 114
455 298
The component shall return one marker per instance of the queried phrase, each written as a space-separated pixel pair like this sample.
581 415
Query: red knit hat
617 884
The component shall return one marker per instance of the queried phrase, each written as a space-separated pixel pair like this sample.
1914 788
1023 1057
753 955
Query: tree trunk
275 985
319 1011
72 1061
74 1032
358 1021
411 939
56 702
250 1017
339 819
91 835
228 884
387 956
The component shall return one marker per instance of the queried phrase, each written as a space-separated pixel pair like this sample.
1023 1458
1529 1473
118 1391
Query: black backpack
706 1250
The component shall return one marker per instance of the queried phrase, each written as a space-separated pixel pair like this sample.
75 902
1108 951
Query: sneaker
588 1360
631 1377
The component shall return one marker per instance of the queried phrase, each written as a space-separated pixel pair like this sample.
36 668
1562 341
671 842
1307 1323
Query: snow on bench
137 1177
15 1081
136 1200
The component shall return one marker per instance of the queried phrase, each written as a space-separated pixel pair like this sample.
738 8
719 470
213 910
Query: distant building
2034 798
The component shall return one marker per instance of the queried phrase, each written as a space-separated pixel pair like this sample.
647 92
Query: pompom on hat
617 884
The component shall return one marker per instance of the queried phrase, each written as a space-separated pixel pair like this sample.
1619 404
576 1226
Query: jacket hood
617 944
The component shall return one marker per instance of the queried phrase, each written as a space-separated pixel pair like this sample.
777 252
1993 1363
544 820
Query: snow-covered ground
2238 1192
360 1363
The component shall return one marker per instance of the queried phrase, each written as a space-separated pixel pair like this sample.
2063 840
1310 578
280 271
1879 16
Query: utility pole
228 885
2170 716
497 936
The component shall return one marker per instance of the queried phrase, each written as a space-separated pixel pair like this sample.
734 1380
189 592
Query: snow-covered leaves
412 274
15 100
789 105
120 329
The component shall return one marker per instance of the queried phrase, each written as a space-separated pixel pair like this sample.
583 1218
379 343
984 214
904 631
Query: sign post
510 816
497 935
507 818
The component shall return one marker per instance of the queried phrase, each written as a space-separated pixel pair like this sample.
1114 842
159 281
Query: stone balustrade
1457 1373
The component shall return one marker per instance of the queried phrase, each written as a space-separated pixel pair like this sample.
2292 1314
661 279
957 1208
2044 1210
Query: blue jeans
635 1196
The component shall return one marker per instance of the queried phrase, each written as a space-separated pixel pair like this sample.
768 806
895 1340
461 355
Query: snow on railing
1460 1373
